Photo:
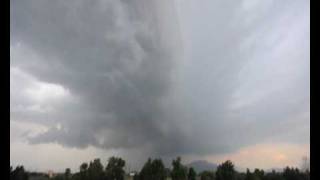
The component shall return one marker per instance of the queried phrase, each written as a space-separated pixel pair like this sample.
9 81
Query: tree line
154 169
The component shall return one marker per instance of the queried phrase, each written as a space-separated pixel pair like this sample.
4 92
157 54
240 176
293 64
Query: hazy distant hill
202 165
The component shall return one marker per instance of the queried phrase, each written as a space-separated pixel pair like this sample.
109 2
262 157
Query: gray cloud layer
112 55
122 63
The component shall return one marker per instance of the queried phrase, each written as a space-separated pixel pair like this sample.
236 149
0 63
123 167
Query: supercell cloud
115 58
165 77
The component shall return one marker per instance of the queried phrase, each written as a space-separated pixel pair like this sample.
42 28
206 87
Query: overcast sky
211 80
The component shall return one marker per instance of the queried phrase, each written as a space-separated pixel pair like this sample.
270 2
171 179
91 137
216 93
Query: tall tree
292 174
153 169
146 170
67 174
83 174
258 174
158 170
114 169
19 174
83 167
192 174
226 171
95 170
179 172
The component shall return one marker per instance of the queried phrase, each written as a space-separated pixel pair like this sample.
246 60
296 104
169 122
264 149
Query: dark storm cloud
112 55
122 63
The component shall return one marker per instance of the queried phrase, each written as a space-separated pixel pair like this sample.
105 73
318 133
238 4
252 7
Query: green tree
292 174
207 175
145 172
153 169
158 170
19 174
83 167
248 175
226 171
67 174
95 170
83 174
258 174
114 169
179 172
192 174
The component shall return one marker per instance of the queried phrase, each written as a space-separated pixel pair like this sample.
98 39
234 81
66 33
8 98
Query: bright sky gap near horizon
205 80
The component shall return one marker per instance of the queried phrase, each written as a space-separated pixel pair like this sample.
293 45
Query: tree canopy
225 171
114 169
179 172
192 174
155 170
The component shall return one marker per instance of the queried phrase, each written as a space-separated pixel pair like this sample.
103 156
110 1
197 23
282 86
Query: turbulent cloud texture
166 77
113 56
